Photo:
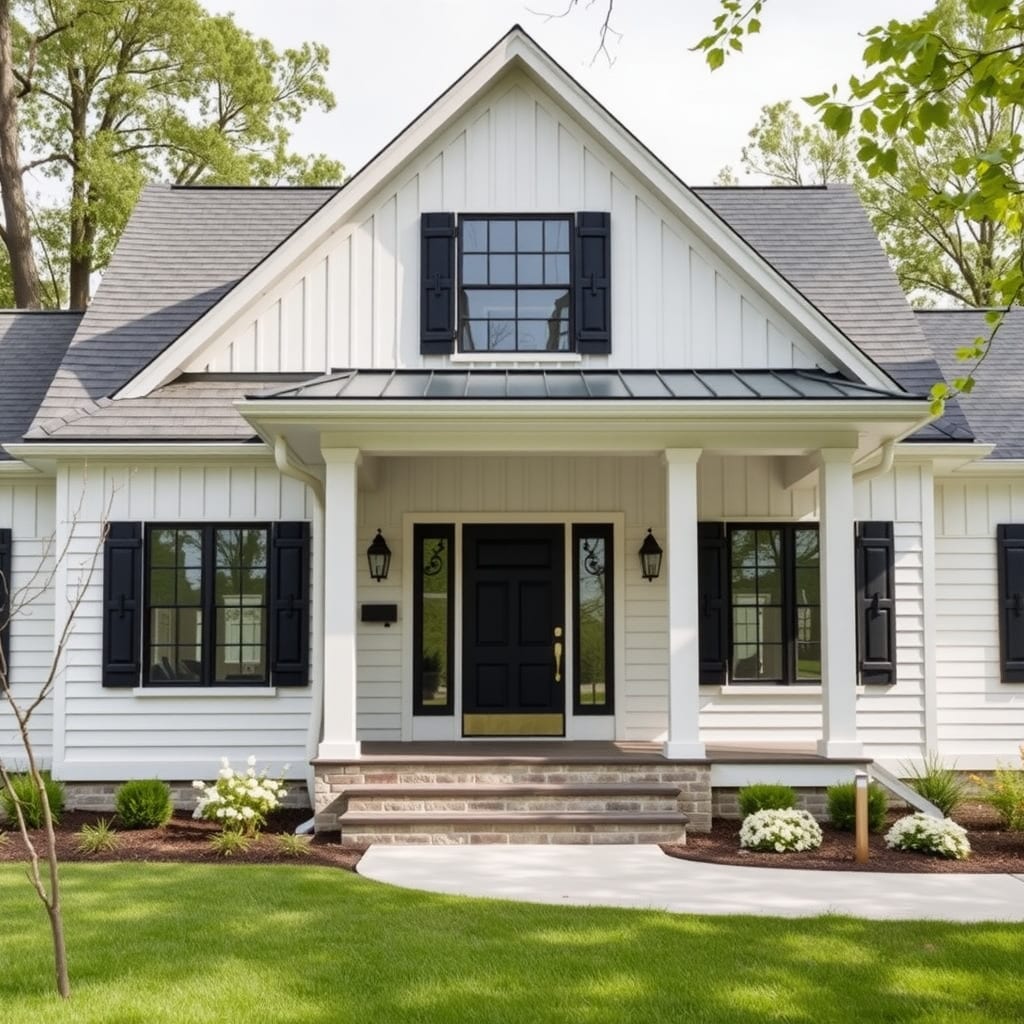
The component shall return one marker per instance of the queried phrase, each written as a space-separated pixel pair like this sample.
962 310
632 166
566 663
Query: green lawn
187 944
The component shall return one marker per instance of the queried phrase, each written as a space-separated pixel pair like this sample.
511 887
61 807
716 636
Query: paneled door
513 660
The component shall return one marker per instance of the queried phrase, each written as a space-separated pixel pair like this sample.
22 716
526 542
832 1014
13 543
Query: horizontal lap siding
891 719
354 301
106 727
27 509
512 485
979 717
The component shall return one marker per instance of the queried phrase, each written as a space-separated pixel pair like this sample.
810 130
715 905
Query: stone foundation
99 796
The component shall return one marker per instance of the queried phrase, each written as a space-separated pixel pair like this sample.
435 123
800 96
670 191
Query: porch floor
581 752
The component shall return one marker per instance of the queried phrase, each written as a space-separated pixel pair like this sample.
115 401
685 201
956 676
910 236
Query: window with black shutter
206 605
5 599
524 283
1010 552
876 602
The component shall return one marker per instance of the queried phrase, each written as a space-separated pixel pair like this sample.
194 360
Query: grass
167 943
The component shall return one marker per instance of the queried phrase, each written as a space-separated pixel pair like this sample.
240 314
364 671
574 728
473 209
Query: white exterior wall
980 719
27 508
108 733
890 719
356 301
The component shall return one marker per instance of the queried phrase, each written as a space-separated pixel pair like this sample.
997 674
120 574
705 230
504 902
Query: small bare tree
15 604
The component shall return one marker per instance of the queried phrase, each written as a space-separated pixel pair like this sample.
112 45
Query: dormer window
515 284
525 283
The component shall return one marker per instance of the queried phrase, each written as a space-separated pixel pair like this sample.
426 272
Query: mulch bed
993 849
183 839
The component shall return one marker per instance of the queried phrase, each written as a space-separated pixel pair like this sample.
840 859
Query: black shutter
713 595
122 605
437 306
5 592
289 605
876 603
593 308
1010 546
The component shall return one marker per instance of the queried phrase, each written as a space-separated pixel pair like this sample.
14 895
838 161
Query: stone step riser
451 835
487 803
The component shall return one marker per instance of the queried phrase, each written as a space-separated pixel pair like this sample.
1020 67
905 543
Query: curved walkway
643 876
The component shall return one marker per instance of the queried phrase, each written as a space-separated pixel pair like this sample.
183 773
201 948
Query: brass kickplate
514 725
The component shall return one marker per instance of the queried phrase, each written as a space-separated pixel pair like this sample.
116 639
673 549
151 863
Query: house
514 471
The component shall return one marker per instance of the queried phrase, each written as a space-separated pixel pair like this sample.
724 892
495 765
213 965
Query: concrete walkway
643 876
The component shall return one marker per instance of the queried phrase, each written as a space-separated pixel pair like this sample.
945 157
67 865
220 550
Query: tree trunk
82 232
17 228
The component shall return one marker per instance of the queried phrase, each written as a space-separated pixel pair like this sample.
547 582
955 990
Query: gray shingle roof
994 408
582 385
182 251
32 345
821 241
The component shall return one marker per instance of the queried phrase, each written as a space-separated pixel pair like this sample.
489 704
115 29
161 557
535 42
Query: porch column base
340 751
840 748
682 751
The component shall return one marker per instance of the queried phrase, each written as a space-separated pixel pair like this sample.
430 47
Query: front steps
506 800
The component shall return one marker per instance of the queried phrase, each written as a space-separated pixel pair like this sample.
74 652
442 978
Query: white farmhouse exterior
515 345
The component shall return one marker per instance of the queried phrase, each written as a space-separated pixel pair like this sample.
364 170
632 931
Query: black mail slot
379 612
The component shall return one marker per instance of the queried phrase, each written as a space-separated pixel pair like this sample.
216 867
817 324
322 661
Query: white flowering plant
239 801
941 837
780 831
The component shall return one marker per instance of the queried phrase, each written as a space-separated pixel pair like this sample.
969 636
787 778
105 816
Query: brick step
488 790
511 827
497 804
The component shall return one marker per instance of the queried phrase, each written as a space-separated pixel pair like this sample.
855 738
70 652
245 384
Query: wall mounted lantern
650 557
378 554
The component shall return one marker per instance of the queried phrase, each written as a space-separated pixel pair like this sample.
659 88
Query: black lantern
650 558
378 554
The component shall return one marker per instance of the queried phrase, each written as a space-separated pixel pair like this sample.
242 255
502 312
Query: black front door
513 659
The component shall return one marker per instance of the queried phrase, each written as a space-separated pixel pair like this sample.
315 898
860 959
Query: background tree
789 151
113 93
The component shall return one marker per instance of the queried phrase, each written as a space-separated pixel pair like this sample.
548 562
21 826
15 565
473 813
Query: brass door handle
558 654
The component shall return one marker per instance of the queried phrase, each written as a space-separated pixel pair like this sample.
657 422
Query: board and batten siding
27 508
355 301
115 733
980 719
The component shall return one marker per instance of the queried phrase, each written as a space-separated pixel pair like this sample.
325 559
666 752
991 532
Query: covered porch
389 461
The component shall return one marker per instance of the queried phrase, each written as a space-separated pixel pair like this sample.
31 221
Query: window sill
154 690
516 357
758 690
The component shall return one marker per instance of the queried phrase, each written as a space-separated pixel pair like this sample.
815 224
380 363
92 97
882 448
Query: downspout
888 450
287 465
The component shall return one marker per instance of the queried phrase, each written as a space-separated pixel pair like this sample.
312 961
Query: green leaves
733 22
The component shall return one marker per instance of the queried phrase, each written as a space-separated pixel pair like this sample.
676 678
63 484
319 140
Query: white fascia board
14 468
44 456
946 457
515 49
991 467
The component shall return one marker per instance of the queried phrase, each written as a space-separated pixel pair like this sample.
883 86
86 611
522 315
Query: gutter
888 450
288 466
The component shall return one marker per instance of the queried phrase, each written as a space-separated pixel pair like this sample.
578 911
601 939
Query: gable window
206 604
515 284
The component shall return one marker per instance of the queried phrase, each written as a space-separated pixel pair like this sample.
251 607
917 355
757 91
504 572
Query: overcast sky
390 58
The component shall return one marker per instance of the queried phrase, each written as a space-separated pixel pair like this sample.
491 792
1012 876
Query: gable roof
821 240
32 344
183 250
516 53
993 409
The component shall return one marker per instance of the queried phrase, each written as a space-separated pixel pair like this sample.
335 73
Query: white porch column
838 606
341 566
684 655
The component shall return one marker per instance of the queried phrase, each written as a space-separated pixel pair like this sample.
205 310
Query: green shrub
766 796
842 806
944 787
144 803
229 842
98 838
26 794
292 845
1004 793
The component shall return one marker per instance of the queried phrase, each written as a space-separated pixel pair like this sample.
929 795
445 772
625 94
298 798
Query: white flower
919 832
224 762
780 831
251 760
199 784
